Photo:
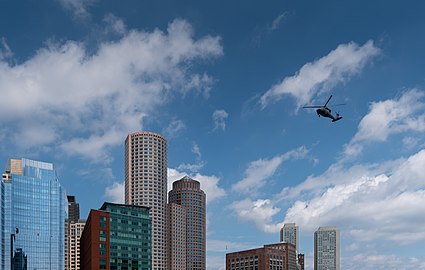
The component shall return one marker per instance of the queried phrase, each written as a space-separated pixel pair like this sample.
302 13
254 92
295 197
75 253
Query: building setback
146 185
187 225
117 237
280 256
32 205
326 249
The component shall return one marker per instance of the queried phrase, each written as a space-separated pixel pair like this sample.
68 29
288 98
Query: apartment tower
74 227
146 185
187 221
289 234
326 249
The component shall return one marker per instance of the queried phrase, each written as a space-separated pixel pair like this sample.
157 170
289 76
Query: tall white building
326 249
146 185
289 234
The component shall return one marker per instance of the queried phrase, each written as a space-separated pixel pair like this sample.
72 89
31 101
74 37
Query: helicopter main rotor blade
327 101
308 107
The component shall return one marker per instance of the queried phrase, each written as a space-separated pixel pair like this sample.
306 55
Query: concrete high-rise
326 249
146 185
289 234
32 208
190 219
74 227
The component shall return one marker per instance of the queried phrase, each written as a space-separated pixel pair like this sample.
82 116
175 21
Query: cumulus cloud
323 74
84 103
259 171
115 193
388 117
219 117
368 202
209 184
385 204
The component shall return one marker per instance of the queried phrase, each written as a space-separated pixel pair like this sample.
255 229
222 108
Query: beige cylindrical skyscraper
146 185
187 193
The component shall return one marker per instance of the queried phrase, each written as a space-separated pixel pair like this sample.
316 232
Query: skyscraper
187 193
74 227
146 185
33 208
326 249
289 234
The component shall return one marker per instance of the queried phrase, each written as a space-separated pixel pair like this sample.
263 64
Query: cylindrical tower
187 193
146 184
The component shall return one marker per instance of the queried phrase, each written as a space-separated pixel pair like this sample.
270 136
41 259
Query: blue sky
225 82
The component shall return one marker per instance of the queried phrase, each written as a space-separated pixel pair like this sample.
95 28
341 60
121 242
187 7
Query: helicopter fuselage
326 112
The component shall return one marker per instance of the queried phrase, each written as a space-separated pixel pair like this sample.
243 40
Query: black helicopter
325 111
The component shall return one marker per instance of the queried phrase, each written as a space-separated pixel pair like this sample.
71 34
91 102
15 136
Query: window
102 263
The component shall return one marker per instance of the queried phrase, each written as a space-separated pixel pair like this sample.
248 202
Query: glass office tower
33 209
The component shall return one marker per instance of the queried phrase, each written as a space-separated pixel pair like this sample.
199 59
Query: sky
225 82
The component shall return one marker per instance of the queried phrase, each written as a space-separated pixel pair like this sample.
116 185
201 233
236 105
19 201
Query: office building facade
146 185
117 237
280 256
33 206
326 249
187 193
289 234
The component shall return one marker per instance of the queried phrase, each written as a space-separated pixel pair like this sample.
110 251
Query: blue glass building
33 201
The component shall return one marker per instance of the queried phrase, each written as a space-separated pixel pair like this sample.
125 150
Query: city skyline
224 83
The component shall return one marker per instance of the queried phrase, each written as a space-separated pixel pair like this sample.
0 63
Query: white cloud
195 167
209 184
116 25
115 193
278 21
260 170
219 117
323 74
374 202
85 103
78 7
5 51
385 118
380 207
260 212
174 128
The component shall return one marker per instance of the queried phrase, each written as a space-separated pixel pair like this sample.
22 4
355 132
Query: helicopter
325 111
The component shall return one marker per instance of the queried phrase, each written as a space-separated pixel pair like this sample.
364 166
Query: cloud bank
84 103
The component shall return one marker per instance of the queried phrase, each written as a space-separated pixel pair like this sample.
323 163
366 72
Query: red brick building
280 256
94 241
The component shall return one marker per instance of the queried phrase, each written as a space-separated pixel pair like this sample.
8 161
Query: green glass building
117 237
